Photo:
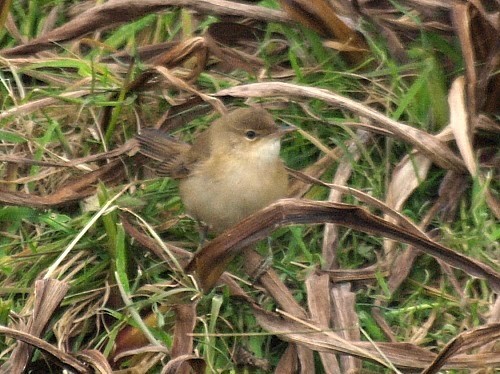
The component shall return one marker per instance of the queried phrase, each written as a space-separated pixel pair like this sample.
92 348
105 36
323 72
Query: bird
231 170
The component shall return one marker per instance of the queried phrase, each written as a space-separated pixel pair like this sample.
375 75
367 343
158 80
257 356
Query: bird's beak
286 129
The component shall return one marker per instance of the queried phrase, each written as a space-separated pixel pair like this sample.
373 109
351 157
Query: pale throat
265 151
245 161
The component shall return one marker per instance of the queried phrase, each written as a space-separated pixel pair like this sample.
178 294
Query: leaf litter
327 322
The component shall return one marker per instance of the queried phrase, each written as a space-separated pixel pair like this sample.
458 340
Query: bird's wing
168 151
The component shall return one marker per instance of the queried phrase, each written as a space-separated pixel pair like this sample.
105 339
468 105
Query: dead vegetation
86 277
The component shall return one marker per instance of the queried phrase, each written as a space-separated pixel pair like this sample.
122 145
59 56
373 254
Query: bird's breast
223 190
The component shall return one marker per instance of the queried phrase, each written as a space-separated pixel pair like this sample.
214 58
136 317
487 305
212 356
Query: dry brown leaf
236 46
401 267
143 363
342 175
406 177
272 283
307 333
298 187
318 302
143 52
58 356
181 52
460 123
479 44
319 15
401 355
210 262
51 19
318 298
176 365
397 24
129 147
131 339
47 296
4 11
451 189
181 255
306 358
113 13
466 340
11 27
184 86
428 144
76 190
41 103
147 350
346 322
342 302
493 318
363 275
275 287
185 321
341 47
244 357
493 203
149 78
361 196
96 360
288 362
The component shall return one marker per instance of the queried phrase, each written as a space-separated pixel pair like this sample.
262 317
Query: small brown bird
232 169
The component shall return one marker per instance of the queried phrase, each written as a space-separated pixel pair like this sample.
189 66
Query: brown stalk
428 144
402 355
70 193
477 337
319 15
210 262
47 296
185 321
178 364
113 13
61 358
319 305
311 335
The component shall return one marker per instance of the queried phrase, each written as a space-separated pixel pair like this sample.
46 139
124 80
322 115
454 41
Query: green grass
106 257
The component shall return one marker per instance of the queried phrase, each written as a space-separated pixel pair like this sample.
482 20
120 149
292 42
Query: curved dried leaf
468 339
407 176
428 144
96 360
174 366
61 358
319 15
70 193
235 45
41 103
47 296
116 12
318 301
401 355
210 262
460 123
185 320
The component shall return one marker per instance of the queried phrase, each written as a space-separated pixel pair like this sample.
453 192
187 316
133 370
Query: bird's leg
265 264
203 233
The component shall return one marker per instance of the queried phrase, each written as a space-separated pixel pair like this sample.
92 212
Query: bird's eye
250 134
